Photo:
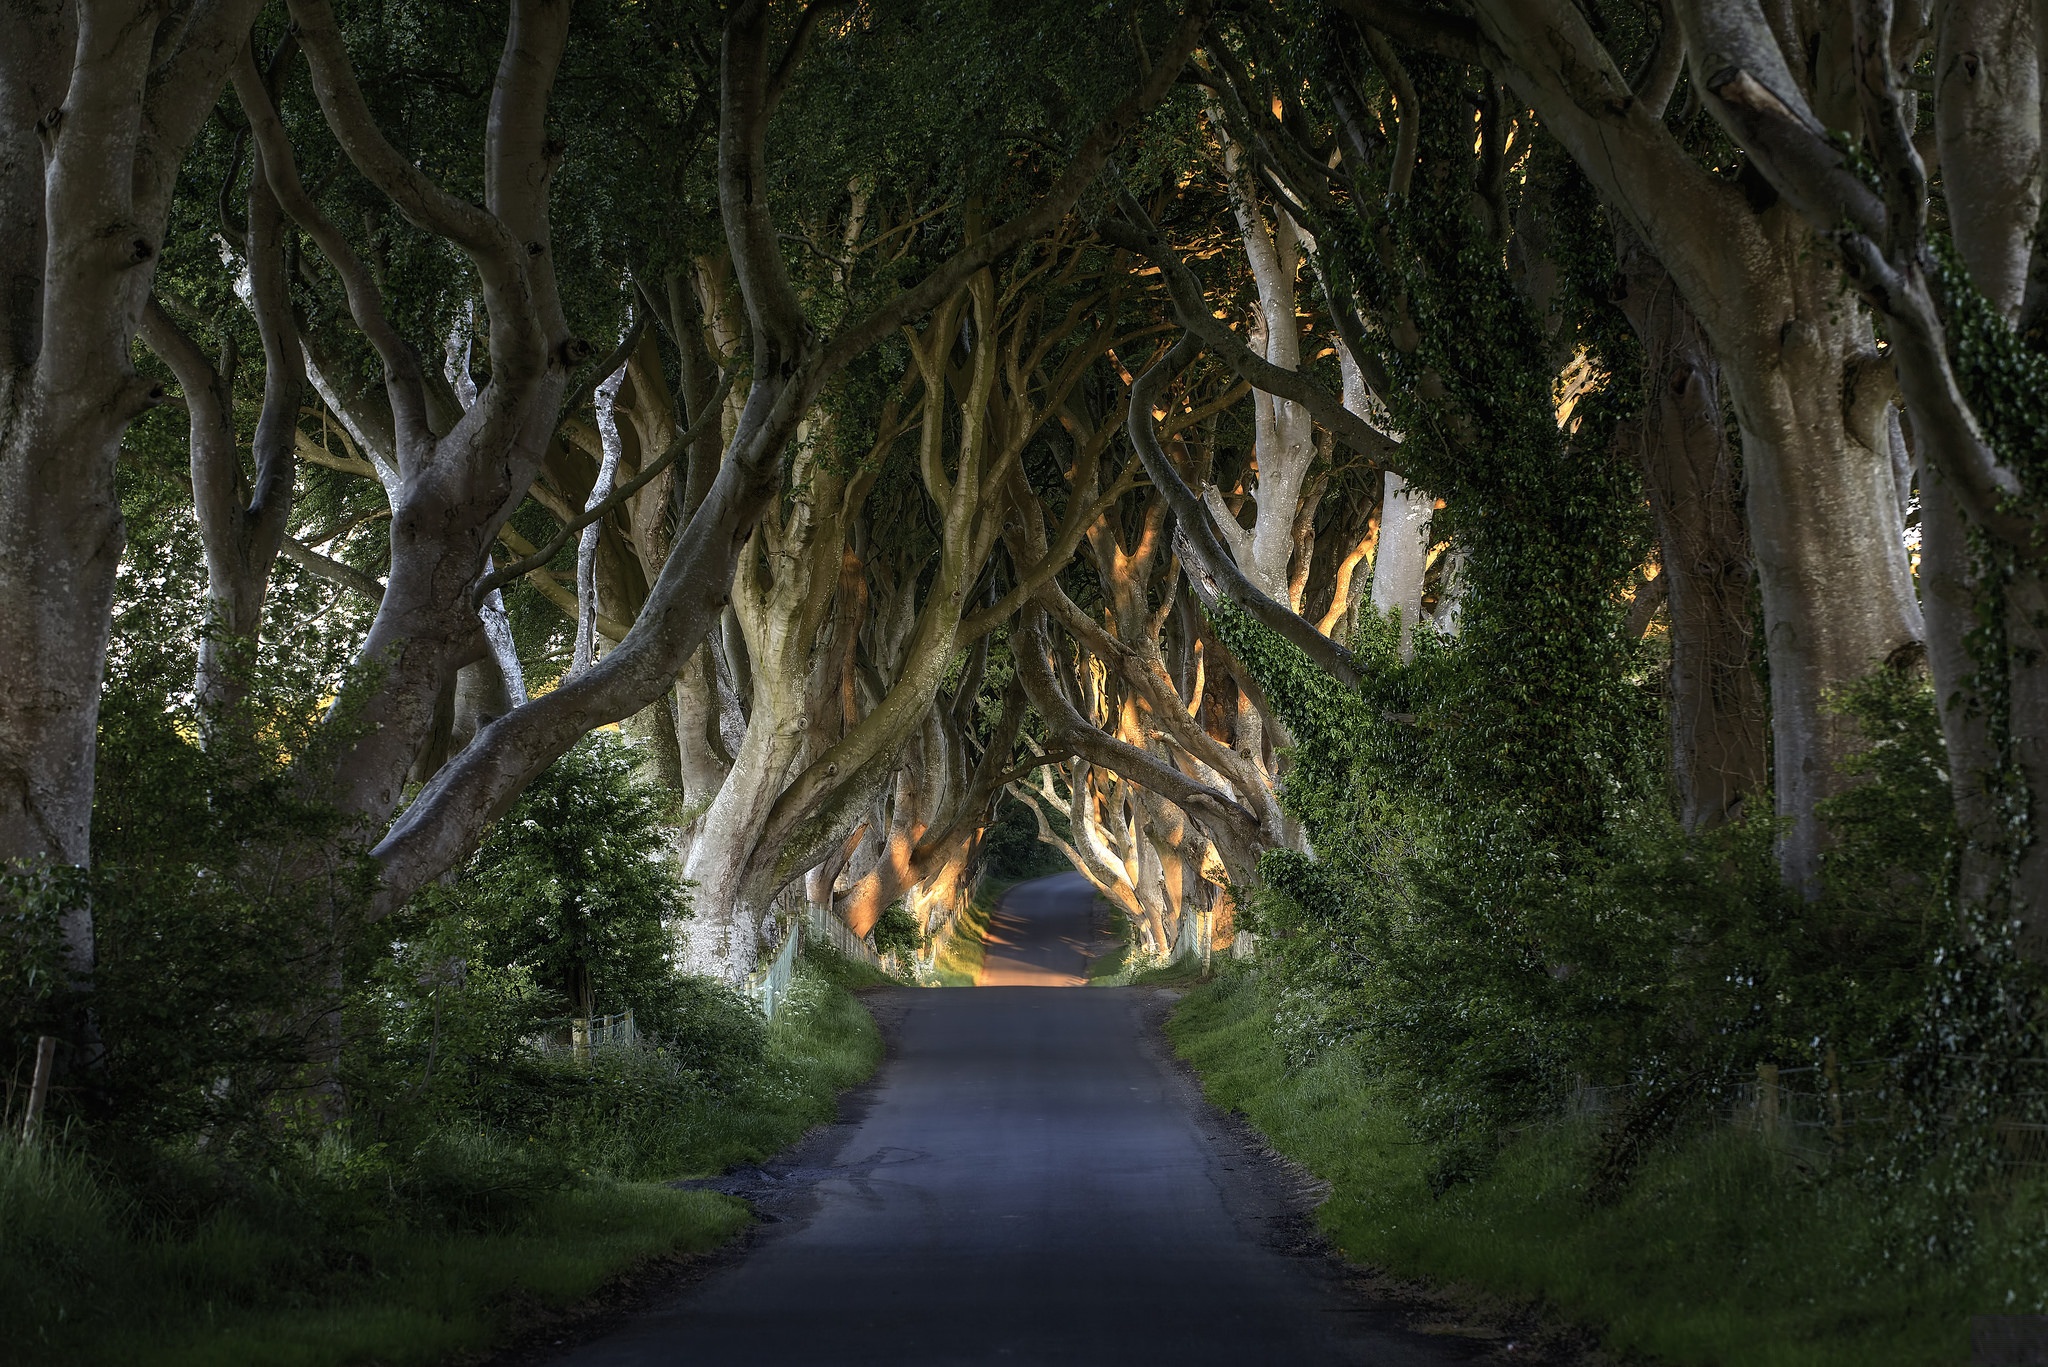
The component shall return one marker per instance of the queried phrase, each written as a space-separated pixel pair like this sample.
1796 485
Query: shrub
897 932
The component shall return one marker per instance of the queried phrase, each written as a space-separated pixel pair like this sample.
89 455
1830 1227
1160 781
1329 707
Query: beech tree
1802 369
1963 321
100 103
453 466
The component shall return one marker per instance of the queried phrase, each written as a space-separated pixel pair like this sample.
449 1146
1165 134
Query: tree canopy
1524 520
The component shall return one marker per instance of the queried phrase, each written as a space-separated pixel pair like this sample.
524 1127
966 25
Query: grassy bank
1114 968
1722 1251
341 1256
960 957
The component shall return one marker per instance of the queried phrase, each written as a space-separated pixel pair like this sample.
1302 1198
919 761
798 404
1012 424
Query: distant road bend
1030 1182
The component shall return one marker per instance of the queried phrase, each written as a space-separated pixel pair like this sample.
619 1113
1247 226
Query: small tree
576 885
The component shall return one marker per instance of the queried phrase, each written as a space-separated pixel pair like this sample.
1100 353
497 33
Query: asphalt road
1042 934
1028 1181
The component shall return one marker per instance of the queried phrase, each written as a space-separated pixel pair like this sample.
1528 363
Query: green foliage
32 905
1724 1249
575 888
221 891
1980 1053
2003 374
1639 956
1011 846
897 931
519 1196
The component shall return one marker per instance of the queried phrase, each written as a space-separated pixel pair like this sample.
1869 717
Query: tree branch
1212 570
328 568
678 444
1088 162
1066 727
1191 311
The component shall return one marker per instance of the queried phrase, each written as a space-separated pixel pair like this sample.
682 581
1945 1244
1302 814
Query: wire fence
1816 1113
768 986
578 1036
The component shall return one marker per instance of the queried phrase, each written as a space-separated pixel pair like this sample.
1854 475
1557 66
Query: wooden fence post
39 1089
579 1038
1767 1098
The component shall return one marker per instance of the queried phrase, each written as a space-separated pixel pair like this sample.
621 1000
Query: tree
574 884
98 102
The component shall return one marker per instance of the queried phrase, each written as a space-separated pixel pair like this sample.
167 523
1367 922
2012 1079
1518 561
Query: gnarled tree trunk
1718 754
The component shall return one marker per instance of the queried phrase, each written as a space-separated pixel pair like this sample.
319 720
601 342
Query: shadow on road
1042 934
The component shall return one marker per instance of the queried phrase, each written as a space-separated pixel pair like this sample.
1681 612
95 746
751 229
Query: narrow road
1042 934
1030 1182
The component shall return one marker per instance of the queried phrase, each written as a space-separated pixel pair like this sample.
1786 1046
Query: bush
1485 970
521 1183
577 887
897 932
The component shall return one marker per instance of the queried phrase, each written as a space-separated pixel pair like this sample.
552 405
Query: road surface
1042 934
1029 1181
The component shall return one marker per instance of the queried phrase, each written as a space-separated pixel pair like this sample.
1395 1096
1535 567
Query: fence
793 908
825 928
579 1035
621 1029
1815 1113
1196 941
768 985
821 926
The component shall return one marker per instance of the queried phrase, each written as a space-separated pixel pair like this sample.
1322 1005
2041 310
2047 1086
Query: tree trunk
1718 755
93 126
1401 560
1824 520
722 938
705 760
60 542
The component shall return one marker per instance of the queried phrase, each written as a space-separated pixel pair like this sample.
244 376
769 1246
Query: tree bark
94 121
1718 753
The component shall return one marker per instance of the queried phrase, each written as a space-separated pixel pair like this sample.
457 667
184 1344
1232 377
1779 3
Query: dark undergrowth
1722 1250
338 1254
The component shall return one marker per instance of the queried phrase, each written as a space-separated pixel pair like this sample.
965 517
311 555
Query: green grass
1114 968
1188 972
328 1266
1722 1251
960 957
404 1297
1111 967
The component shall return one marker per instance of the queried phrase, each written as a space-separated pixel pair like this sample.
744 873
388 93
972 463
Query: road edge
548 1333
1501 1330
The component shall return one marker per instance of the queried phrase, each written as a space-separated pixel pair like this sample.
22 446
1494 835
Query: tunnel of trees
1514 520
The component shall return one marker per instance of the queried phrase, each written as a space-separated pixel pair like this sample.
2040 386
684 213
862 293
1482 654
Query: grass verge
326 1266
1721 1252
960 957
1113 967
